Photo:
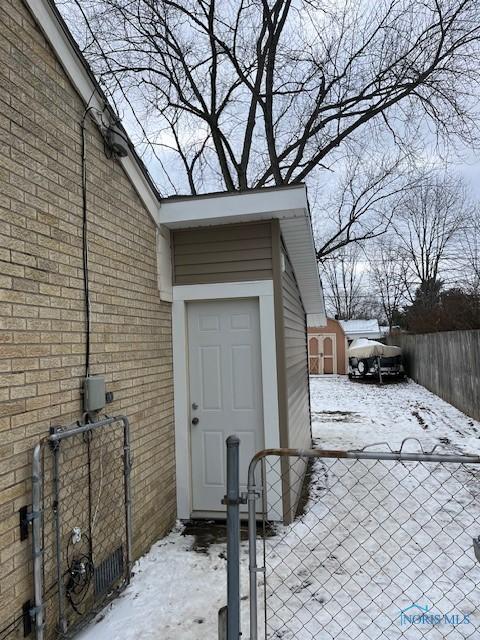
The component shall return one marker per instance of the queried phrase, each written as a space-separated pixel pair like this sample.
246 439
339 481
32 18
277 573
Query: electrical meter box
93 393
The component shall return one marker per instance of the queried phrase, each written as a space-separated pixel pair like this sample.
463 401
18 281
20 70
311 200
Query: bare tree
469 256
360 205
428 224
244 94
343 276
387 268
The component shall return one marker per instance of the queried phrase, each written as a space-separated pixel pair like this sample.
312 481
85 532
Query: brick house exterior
42 316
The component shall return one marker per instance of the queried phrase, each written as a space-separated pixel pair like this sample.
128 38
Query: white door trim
263 291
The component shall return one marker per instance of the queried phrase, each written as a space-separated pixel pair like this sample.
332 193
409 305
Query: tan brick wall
42 320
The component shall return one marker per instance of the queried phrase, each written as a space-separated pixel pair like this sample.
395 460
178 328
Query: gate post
252 547
233 500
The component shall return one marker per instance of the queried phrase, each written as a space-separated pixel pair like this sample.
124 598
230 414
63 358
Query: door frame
262 290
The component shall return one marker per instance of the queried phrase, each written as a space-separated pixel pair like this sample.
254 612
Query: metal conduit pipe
36 515
37 550
62 622
75 429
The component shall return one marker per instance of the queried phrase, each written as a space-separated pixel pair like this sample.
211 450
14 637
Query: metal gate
81 523
359 545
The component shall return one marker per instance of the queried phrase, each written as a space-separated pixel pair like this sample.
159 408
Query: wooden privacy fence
447 363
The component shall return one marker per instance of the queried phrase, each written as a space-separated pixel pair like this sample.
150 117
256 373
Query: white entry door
225 393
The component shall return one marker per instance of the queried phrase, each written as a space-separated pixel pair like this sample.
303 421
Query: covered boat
372 358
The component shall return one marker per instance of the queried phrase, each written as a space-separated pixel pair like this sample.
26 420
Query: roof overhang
287 204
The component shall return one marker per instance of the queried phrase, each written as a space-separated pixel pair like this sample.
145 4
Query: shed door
329 354
322 353
225 393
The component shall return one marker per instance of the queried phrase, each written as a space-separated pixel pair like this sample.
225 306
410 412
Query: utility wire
86 287
122 91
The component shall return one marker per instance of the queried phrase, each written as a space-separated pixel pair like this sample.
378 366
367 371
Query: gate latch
242 499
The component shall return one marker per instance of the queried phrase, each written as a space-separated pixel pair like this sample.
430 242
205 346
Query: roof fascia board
224 208
75 69
286 204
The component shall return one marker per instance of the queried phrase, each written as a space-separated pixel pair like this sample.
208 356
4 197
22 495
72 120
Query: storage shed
327 349
245 279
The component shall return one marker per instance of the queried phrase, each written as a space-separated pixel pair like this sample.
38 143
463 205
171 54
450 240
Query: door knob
195 421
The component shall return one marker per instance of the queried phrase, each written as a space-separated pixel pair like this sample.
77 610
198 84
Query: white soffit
298 238
288 204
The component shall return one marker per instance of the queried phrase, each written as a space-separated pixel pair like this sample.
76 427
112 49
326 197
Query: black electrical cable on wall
85 241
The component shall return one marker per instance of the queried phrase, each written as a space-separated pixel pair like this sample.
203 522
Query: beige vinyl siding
296 378
296 361
227 253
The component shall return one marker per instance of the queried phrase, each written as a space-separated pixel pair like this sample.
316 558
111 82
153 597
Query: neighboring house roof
289 204
361 328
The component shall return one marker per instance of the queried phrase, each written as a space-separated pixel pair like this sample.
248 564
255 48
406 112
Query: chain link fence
81 523
382 546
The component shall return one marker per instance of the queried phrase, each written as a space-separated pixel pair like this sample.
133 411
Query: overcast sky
466 162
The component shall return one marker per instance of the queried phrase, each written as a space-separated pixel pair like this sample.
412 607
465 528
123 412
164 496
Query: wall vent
108 572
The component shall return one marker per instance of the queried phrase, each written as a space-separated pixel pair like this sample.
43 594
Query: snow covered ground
175 594
380 537
335 567
349 415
